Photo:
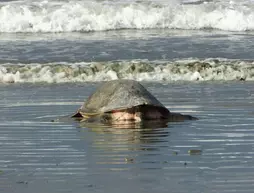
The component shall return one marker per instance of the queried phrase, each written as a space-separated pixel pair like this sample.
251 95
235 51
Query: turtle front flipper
77 115
178 117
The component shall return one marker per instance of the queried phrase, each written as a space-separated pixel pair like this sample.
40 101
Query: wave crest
84 16
141 70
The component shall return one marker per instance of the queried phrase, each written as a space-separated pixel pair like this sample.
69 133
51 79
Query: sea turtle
123 101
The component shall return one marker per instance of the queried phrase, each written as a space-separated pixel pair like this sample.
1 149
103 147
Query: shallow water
38 155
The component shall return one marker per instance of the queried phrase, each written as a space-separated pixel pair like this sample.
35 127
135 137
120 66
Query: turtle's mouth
122 116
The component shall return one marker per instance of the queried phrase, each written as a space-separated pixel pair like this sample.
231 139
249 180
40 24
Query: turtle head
138 114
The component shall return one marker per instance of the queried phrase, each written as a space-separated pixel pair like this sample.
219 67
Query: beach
195 57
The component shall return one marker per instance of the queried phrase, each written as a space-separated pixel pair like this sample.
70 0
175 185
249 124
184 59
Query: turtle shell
118 95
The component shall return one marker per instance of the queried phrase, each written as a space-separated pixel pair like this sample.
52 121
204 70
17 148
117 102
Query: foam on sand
141 70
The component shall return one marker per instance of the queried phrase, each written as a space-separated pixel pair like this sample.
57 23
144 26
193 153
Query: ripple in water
42 156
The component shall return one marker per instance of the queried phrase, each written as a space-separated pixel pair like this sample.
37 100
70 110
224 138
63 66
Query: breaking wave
85 16
141 70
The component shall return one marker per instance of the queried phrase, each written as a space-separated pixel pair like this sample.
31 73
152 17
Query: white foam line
141 70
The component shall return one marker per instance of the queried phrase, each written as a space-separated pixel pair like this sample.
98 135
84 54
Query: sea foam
141 70
85 16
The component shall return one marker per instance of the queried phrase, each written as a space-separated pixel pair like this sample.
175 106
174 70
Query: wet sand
38 155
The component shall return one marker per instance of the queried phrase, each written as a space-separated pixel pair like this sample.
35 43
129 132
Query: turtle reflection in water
125 102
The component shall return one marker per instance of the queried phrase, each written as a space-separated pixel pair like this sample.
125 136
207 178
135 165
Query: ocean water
196 57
